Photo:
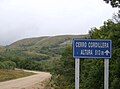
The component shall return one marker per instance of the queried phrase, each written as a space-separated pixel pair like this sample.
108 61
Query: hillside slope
39 48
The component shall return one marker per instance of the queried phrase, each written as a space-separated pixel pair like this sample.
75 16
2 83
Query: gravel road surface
30 82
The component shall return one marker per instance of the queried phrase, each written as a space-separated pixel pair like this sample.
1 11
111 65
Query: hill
39 48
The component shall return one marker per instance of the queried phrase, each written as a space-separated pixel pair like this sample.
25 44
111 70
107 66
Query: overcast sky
30 18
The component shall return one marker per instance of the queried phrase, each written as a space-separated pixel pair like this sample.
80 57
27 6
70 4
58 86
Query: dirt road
30 82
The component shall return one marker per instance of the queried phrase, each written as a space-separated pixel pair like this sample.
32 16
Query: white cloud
27 18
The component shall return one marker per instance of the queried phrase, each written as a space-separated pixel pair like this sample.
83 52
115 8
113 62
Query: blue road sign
92 48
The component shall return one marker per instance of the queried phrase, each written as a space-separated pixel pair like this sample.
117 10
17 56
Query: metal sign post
92 48
106 73
77 73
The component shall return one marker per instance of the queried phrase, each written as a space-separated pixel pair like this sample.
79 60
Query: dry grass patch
13 74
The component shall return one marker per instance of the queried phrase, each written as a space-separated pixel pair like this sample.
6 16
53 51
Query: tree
116 17
111 30
91 74
8 65
63 71
2 66
114 3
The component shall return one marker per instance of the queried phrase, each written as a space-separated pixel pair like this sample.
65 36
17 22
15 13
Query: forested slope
35 53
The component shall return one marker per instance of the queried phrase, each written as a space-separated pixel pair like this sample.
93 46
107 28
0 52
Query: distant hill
43 41
39 48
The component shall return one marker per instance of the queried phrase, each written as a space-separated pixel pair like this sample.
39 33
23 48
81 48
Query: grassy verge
13 74
47 84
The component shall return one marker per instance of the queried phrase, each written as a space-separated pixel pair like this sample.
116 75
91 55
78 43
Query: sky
35 18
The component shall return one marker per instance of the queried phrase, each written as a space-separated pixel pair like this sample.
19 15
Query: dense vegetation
34 53
92 70
63 71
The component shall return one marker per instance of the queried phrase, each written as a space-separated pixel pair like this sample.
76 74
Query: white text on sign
92 44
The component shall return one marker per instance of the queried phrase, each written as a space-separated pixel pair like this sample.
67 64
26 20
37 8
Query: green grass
12 74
